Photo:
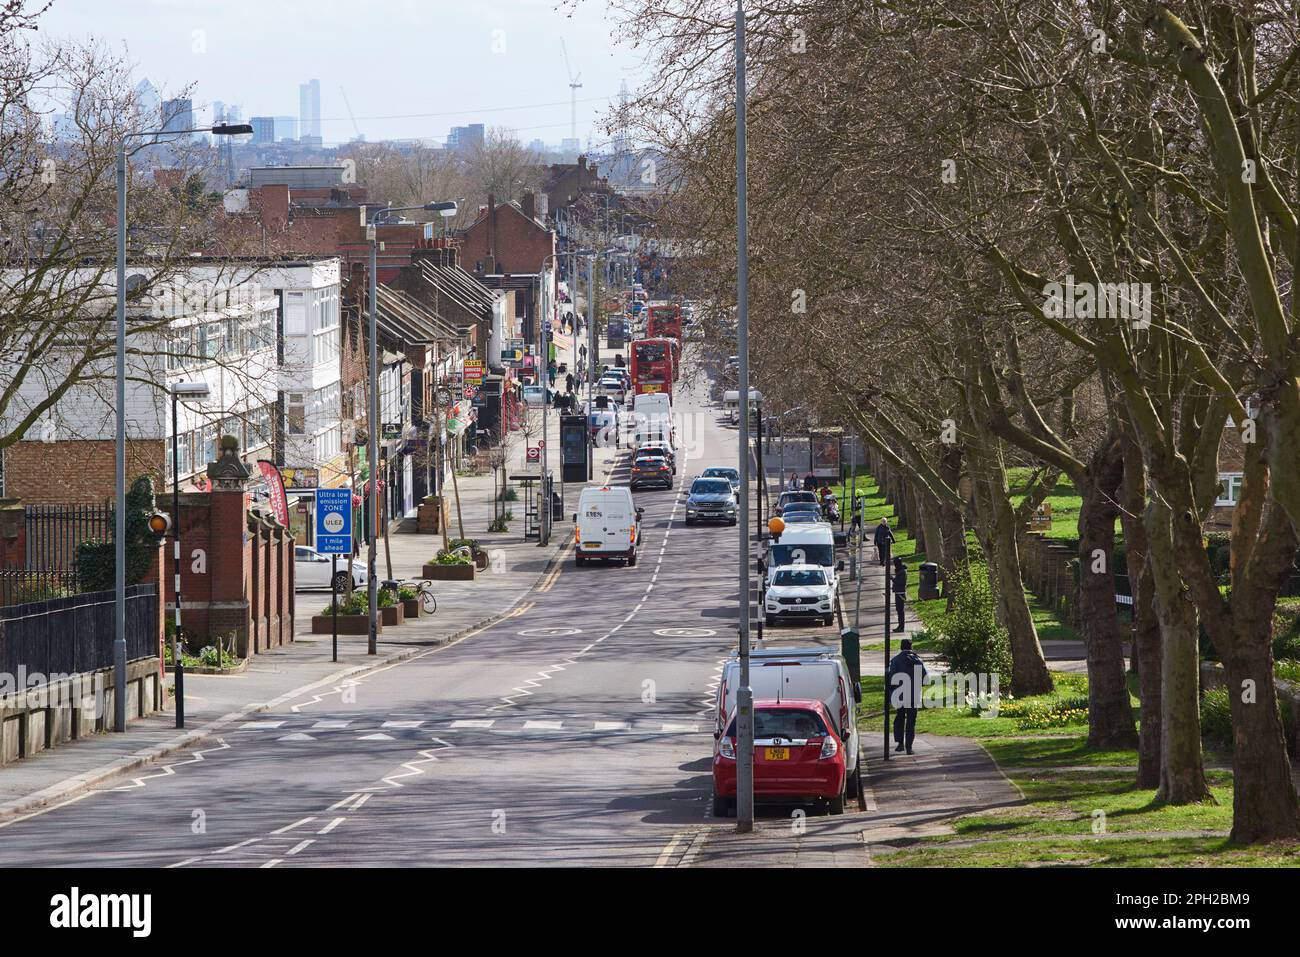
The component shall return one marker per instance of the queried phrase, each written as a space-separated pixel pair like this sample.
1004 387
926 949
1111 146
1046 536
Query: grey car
711 500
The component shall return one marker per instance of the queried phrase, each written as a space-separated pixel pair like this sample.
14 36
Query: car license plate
776 754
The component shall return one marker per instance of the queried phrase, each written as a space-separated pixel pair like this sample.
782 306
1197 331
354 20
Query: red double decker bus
664 320
653 366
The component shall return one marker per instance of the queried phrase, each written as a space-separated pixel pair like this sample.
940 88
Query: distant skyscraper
286 128
234 113
309 107
263 129
177 114
218 112
149 102
465 137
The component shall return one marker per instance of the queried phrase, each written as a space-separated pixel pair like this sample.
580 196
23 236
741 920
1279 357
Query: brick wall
81 472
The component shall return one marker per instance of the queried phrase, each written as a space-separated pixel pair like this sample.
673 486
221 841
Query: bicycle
424 588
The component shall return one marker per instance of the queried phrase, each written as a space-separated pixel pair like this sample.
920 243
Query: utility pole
372 500
744 694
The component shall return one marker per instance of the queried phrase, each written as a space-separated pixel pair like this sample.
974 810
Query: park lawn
1091 851
1065 502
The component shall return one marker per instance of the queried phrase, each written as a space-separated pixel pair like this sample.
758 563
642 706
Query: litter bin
557 508
929 585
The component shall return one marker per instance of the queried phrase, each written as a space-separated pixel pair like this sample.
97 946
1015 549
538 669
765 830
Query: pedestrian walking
906 683
568 382
883 537
810 482
900 590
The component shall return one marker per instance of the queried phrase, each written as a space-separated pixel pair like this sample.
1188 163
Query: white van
811 543
607 525
794 674
731 401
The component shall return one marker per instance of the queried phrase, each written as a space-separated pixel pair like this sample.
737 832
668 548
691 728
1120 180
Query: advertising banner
275 485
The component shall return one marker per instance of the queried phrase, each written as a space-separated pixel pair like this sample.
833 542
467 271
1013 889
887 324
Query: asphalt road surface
576 732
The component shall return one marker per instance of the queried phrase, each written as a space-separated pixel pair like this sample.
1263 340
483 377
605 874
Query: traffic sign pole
334 538
334 605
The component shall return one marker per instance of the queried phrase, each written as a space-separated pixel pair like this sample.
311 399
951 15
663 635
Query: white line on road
474 723
290 827
331 825
232 847
330 725
270 863
188 860
260 725
666 854
543 725
401 724
301 845
612 726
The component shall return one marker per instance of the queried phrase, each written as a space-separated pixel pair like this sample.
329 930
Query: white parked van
810 543
798 674
607 525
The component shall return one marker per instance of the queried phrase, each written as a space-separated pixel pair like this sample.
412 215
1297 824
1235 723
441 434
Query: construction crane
573 92
351 116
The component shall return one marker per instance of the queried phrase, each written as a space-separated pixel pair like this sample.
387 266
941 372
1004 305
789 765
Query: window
185 454
257 429
295 314
1229 488
297 414
211 436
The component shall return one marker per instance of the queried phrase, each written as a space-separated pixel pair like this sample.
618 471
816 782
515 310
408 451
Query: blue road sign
334 521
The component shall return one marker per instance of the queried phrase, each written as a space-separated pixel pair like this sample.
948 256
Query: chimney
582 162
529 205
492 226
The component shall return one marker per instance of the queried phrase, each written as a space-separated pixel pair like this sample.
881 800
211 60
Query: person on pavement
795 484
906 684
810 482
883 537
568 382
900 590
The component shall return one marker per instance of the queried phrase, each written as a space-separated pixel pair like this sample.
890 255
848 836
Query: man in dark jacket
906 684
883 536
900 590
810 482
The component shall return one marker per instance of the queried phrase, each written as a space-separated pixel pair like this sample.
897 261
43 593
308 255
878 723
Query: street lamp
372 559
744 693
119 477
192 391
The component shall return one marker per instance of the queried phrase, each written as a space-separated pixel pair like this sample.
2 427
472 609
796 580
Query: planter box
449 573
393 614
429 515
411 606
348 624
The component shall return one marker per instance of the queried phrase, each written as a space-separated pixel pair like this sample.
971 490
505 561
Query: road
575 732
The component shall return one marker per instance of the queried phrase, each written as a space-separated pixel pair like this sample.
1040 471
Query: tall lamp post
744 693
193 391
447 209
119 491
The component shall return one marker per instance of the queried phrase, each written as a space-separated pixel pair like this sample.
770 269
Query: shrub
1216 716
499 525
407 593
1286 631
445 557
470 543
969 639
96 560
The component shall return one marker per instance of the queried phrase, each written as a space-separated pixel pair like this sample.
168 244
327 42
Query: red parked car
796 755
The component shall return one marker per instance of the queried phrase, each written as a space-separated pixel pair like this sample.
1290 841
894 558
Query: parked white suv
311 570
800 591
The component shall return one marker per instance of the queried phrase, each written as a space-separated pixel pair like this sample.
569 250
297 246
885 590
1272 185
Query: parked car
607 525
726 472
807 507
711 500
800 592
798 673
797 754
787 498
650 468
312 571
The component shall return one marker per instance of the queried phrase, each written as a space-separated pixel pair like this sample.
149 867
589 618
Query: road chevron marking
167 768
413 768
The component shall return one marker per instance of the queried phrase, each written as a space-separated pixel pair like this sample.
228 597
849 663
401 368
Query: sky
411 68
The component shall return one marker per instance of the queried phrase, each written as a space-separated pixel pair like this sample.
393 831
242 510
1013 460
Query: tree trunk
1110 717
1182 771
932 537
1146 630
951 527
1264 806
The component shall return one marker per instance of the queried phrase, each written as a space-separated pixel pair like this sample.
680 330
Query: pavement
547 715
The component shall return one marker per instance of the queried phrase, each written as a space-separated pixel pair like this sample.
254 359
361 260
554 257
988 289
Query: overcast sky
428 64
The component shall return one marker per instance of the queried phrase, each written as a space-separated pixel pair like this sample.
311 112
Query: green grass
1065 501
1094 851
